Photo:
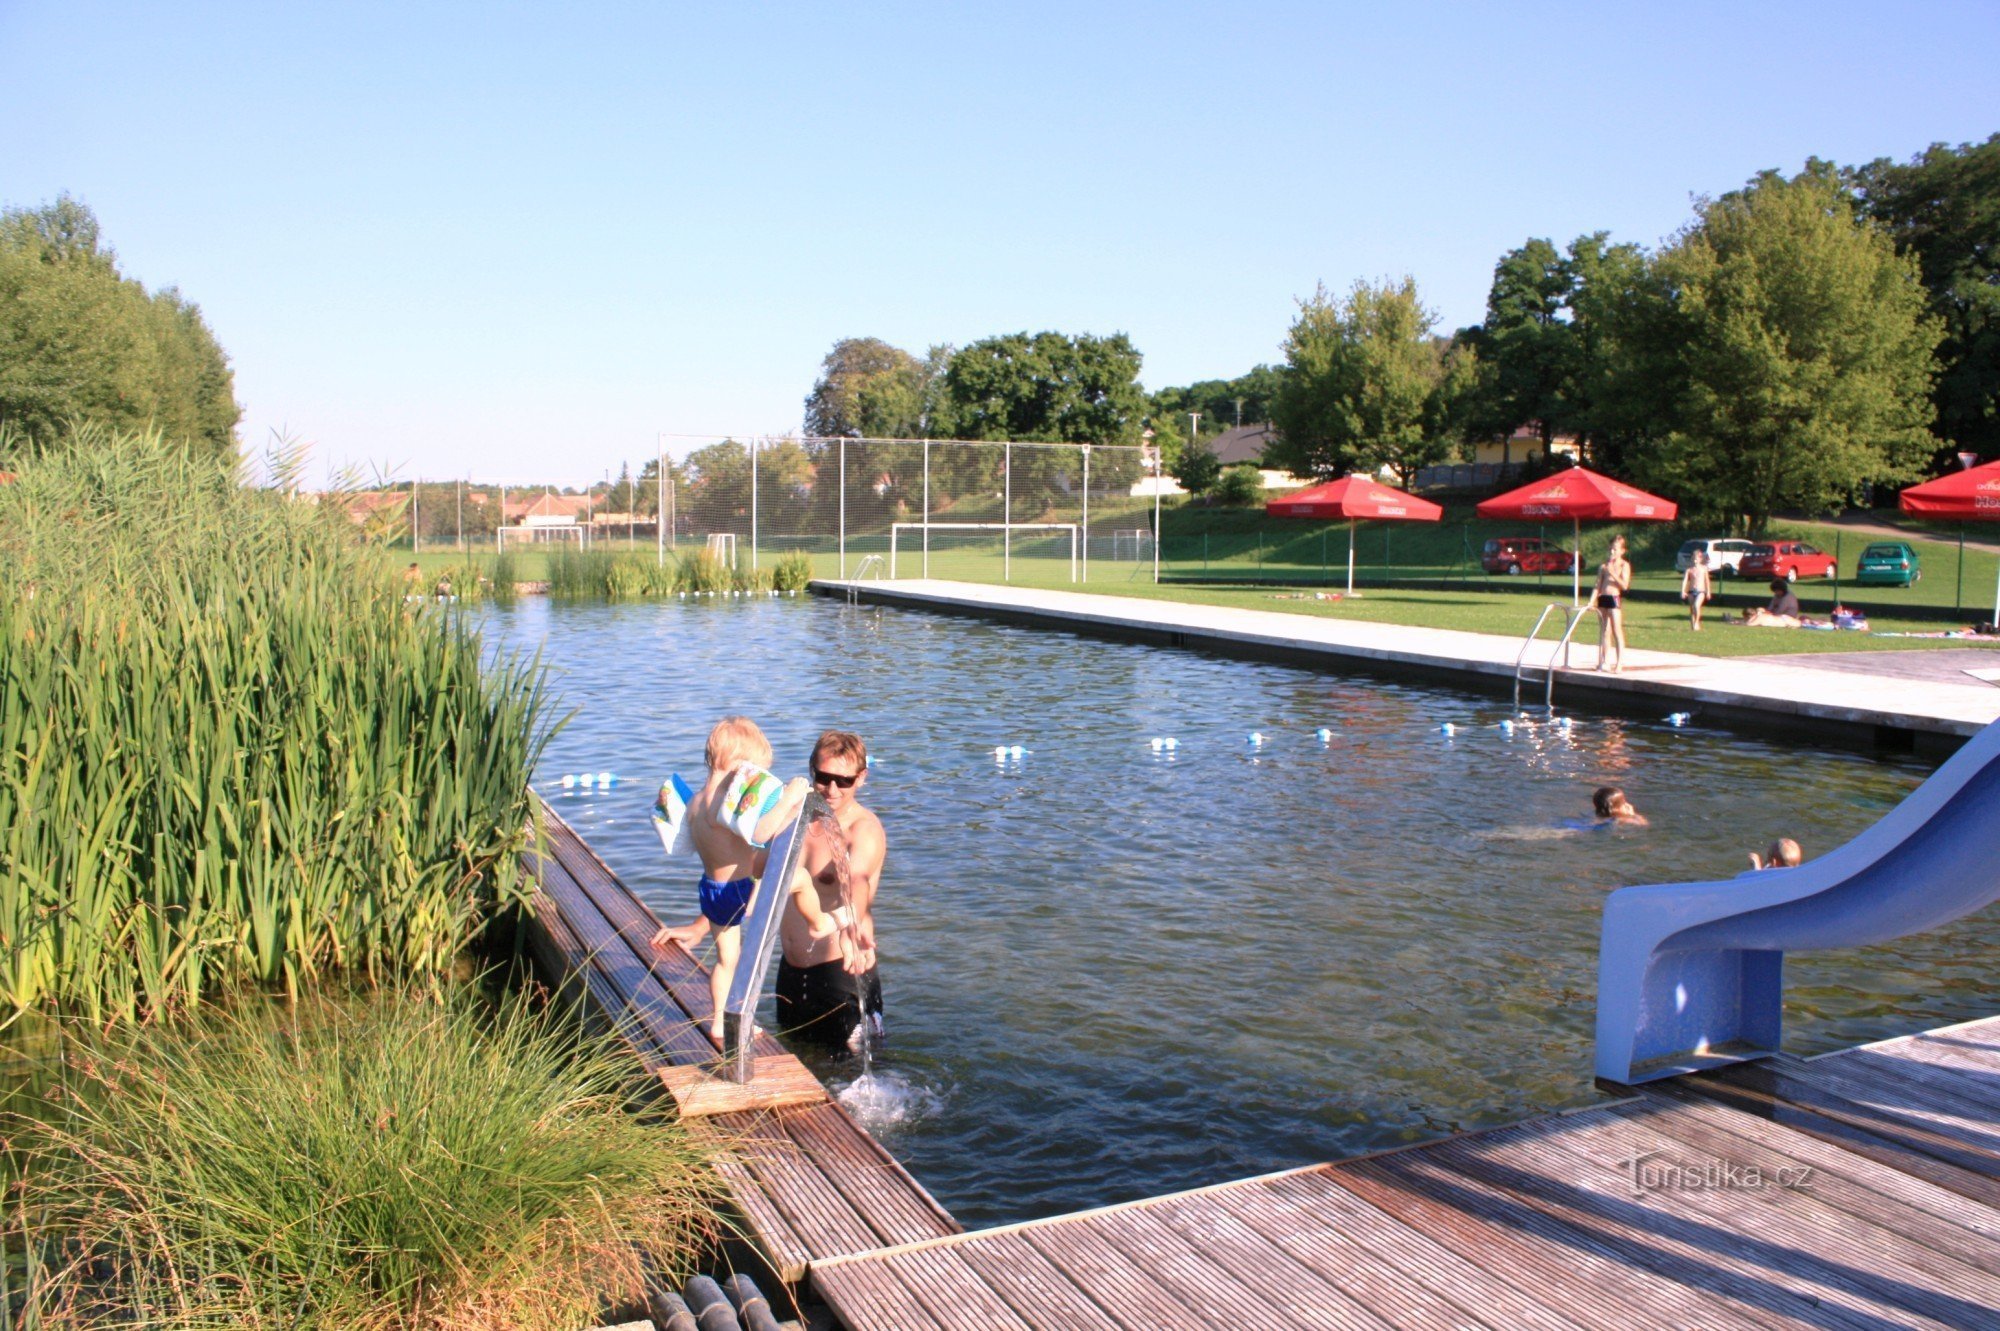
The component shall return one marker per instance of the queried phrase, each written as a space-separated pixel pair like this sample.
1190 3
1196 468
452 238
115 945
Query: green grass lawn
1262 563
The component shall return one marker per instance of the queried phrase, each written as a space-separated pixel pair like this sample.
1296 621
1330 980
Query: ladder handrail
1572 616
861 572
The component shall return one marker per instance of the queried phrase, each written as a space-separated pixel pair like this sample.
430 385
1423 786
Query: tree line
81 342
1801 340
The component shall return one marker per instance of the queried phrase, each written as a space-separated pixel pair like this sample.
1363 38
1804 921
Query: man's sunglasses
835 779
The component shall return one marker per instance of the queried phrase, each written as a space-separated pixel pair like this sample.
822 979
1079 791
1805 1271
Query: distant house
547 510
1524 443
1246 443
366 506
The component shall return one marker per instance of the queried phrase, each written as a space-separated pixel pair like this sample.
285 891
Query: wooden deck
809 1181
1856 1190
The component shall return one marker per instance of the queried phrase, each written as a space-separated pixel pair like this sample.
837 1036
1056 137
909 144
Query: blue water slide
1691 975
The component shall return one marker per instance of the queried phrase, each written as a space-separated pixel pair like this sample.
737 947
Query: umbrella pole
1350 556
1576 563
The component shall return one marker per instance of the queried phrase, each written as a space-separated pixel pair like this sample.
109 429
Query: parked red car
1790 560
1525 554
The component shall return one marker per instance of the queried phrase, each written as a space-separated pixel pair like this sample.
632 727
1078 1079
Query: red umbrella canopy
1354 497
1972 493
1580 495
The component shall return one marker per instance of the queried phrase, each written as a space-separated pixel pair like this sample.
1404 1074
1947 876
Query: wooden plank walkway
1857 1190
809 1181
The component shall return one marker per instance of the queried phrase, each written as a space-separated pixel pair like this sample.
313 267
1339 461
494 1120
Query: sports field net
996 511
966 551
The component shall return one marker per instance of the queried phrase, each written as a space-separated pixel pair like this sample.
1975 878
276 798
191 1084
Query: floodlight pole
660 518
841 462
753 504
1007 512
416 539
458 489
1086 513
1157 460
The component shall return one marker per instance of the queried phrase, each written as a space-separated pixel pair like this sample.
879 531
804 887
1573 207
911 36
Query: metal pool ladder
1572 616
861 571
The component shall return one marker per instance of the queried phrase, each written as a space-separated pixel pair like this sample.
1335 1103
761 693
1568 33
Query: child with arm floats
737 811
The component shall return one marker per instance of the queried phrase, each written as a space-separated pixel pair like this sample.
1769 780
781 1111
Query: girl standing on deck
1614 577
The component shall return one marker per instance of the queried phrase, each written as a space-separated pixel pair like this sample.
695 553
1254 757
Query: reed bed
295 1166
622 575
230 750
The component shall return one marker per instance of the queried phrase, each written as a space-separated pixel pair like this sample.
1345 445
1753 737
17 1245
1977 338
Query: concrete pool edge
1925 718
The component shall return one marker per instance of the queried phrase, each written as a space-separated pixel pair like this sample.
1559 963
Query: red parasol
1972 493
1579 494
1353 498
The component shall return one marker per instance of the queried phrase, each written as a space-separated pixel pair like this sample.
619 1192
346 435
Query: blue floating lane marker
1323 735
1447 729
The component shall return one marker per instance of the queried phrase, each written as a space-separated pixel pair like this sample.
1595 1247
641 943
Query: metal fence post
927 508
1007 512
843 508
753 505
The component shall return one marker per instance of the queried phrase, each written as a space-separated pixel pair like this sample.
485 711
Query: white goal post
1005 530
1140 539
722 546
534 533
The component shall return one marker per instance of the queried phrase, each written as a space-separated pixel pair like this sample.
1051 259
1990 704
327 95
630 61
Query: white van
1725 555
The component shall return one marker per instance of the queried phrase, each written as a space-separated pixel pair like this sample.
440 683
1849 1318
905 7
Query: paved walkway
1724 687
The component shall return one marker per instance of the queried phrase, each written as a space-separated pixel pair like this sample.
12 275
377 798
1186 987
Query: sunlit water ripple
1112 973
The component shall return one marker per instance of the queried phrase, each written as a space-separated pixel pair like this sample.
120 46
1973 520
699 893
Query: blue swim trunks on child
724 903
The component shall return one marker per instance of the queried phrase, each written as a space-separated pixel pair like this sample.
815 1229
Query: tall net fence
1045 514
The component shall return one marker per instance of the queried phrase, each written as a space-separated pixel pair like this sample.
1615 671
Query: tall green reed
230 750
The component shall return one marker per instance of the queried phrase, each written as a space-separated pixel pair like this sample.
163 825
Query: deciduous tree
78 342
1943 208
1361 372
1788 350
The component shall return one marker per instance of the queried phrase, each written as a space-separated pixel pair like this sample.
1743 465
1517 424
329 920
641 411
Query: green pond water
1113 971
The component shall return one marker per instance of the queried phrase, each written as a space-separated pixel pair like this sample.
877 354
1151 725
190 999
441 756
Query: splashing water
888 1099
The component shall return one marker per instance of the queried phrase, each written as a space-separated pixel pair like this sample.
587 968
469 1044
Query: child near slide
728 822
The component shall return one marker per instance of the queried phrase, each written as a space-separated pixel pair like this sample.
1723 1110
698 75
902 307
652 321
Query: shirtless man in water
816 988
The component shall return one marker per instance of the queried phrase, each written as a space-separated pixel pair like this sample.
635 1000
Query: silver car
1725 555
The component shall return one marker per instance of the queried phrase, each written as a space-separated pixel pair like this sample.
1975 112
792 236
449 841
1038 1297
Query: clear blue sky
523 240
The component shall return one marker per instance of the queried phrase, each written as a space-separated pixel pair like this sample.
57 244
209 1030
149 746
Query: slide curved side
1690 975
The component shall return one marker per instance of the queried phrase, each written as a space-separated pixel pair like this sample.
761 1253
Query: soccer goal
722 546
537 533
969 543
1131 543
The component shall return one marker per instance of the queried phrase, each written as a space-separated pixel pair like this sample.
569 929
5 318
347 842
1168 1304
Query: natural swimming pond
1113 972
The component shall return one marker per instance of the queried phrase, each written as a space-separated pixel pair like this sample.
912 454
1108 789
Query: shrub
388 1162
793 572
701 571
1239 486
230 751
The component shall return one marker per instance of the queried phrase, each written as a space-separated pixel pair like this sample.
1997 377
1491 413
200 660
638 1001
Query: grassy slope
1244 543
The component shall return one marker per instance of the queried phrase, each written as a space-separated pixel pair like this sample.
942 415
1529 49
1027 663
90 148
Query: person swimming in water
1612 807
1784 853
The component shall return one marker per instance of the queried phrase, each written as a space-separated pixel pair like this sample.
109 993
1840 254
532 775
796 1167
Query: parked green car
1888 564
